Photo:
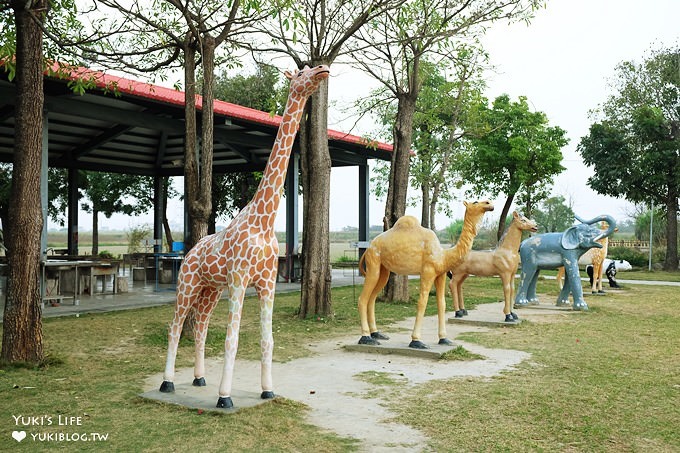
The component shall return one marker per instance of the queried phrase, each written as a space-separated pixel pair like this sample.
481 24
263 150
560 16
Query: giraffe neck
268 194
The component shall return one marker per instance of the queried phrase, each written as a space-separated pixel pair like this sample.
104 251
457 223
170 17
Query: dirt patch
340 400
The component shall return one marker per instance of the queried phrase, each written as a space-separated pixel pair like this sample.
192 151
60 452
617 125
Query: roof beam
162 147
69 106
99 140
6 111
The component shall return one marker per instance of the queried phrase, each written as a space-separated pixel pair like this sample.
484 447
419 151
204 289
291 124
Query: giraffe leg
380 284
560 277
265 292
236 295
182 307
440 286
204 308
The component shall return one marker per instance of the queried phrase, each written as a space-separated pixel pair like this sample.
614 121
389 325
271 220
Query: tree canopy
264 91
633 144
553 214
519 151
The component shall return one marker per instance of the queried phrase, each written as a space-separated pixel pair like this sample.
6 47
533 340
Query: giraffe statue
244 254
596 257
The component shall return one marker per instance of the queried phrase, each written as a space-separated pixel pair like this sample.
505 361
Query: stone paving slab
205 398
545 307
476 321
434 352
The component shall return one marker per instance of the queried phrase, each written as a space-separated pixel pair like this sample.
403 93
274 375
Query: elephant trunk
601 218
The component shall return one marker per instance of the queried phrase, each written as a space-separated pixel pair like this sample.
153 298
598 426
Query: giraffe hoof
167 387
267 395
459 313
365 339
445 342
379 336
199 382
464 312
417 344
514 316
224 402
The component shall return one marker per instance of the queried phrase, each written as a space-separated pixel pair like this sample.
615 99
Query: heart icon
19 435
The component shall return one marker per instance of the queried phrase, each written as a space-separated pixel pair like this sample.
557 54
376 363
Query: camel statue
596 257
244 254
503 261
409 249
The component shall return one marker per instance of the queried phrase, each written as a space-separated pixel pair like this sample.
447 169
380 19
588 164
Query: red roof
176 97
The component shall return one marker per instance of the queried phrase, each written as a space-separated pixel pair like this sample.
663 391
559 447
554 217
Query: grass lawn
608 379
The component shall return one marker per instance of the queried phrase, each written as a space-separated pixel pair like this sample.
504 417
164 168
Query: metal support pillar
158 209
364 226
292 239
43 185
72 222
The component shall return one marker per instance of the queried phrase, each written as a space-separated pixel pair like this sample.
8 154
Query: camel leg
182 307
206 304
425 285
371 278
236 293
265 292
440 287
370 311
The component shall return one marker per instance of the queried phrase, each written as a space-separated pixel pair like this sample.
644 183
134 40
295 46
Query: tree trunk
504 215
190 154
191 176
22 338
397 285
316 177
671 263
425 208
202 209
95 232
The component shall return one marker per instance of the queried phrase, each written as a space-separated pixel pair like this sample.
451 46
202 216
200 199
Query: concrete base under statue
485 320
491 315
398 345
544 306
203 398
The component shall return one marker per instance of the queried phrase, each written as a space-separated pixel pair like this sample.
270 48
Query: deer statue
503 261
409 249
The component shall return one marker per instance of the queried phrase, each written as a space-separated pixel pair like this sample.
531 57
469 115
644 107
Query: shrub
635 257
106 254
136 235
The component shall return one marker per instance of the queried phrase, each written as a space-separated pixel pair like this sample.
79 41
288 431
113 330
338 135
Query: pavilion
121 125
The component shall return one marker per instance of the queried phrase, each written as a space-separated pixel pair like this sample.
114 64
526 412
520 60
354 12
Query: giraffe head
305 81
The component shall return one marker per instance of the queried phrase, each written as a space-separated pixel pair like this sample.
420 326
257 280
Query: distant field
116 243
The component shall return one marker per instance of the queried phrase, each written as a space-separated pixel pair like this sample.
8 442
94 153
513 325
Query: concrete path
330 383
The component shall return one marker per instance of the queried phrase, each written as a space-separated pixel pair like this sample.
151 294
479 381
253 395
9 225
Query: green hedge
636 257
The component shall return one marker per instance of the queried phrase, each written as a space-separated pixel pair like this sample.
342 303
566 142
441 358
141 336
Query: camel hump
406 222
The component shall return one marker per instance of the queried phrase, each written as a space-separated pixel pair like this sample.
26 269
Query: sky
562 62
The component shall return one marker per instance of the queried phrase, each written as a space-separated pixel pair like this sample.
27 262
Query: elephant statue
552 250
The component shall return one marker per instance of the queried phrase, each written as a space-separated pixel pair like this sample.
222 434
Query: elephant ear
570 238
